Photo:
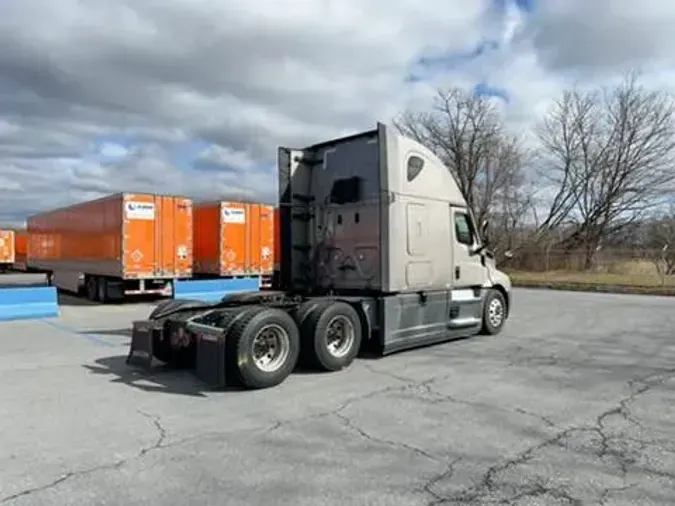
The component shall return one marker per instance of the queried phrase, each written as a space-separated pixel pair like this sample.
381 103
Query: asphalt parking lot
573 404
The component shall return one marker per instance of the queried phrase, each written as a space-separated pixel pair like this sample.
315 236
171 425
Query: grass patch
612 282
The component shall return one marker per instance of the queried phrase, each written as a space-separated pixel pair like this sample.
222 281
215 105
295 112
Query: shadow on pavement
125 332
160 378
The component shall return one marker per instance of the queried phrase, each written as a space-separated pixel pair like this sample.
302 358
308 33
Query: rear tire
332 335
494 313
263 347
300 315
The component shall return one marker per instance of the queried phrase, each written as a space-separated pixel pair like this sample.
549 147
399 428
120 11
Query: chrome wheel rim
271 347
339 336
496 312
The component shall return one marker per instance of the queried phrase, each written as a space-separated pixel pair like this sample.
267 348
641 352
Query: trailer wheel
92 288
102 290
494 313
332 335
263 347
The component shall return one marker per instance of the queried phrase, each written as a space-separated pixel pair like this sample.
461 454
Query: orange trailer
234 239
20 250
118 245
7 252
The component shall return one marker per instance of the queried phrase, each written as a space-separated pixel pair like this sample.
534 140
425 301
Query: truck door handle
456 272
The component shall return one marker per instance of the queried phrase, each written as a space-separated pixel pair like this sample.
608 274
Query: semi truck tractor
378 248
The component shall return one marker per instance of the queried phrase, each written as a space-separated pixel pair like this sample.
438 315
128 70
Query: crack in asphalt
604 497
540 490
160 443
85 472
441 397
487 485
161 434
426 385
396 444
428 487
277 424
388 374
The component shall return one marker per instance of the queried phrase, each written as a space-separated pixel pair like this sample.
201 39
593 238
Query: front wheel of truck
494 313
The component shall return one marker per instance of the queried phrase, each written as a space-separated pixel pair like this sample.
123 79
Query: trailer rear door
234 233
140 219
157 236
6 247
174 237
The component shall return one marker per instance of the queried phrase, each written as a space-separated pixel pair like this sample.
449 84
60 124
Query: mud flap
140 352
210 363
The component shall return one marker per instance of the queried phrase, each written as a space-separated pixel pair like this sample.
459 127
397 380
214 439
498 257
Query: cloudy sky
194 96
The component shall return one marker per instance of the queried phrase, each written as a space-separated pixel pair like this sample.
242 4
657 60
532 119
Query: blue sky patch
112 146
453 60
184 154
526 5
523 5
486 90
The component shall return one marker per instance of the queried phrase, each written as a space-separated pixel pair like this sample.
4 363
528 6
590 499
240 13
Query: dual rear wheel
265 344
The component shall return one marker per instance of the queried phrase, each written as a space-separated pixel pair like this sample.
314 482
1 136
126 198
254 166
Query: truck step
467 321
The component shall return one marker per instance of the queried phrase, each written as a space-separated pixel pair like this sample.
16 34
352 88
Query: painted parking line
92 338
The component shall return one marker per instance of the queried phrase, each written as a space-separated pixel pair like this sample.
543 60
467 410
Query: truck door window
463 229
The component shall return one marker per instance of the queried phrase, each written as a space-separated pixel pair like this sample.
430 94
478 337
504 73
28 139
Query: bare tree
465 131
608 157
659 241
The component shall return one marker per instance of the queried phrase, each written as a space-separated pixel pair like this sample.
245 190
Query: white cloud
237 79
226 157
112 150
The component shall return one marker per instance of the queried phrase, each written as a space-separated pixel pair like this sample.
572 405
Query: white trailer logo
140 210
234 215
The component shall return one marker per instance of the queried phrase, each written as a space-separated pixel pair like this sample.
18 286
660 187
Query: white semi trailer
378 247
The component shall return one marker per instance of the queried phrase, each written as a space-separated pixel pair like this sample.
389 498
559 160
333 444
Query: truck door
467 271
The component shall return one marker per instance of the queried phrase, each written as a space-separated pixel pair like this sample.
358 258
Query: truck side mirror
484 230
